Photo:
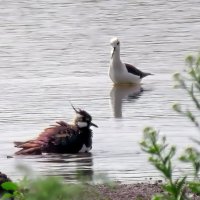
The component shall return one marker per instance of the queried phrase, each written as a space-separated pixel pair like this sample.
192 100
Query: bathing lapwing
62 137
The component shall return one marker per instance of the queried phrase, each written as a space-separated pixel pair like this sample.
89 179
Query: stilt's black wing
133 70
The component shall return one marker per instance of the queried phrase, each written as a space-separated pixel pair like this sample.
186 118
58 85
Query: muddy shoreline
137 191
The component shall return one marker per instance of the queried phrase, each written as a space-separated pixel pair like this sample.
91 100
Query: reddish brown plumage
50 136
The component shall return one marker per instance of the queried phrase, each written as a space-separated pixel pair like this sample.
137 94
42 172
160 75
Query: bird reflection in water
71 167
120 92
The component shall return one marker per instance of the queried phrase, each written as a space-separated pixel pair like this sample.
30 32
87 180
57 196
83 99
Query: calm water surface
53 52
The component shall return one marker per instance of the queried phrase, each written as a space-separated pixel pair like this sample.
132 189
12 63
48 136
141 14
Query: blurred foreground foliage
161 154
48 188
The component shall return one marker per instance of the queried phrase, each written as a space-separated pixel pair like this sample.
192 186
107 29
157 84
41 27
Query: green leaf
191 117
153 150
177 107
9 186
176 76
192 73
157 197
170 188
190 60
144 144
6 196
170 155
198 62
148 129
180 184
195 187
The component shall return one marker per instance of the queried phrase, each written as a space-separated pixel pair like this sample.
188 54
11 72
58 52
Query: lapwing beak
92 124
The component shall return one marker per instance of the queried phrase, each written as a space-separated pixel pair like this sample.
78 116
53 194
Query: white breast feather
85 149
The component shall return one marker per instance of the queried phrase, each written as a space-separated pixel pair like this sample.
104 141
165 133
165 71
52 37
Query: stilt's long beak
92 124
113 51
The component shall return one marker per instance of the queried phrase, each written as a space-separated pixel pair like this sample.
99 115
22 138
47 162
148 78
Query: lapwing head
83 119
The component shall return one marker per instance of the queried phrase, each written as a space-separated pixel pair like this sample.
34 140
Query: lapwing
62 137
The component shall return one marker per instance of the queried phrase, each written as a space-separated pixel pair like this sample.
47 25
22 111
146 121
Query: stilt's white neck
115 54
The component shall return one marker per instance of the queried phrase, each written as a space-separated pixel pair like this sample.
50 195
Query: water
55 52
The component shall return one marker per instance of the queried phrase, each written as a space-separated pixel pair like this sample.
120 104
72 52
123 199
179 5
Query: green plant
190 82
161 154
11 191
52 188
49 188
161 158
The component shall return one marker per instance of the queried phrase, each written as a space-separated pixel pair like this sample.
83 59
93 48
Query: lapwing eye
118 43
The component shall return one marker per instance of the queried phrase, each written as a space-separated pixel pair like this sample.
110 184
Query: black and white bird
62 137
122 73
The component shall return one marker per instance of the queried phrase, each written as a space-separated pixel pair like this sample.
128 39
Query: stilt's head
83 119
115 43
